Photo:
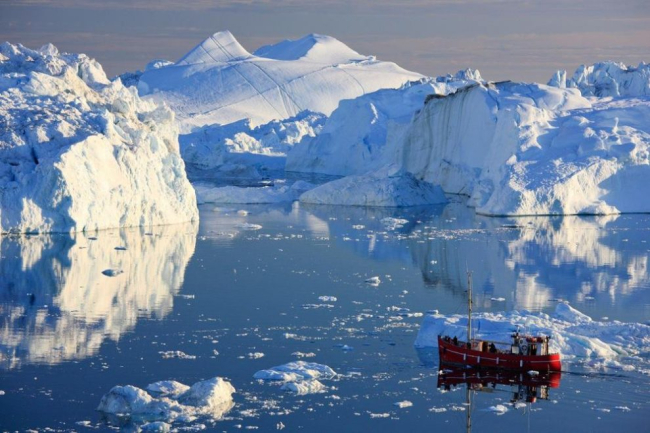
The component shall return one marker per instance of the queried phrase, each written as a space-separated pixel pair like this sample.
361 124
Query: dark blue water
68 333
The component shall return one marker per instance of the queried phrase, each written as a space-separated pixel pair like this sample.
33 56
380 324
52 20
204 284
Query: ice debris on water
304 387
373 281
211 398
499 409
294 371
169 354
403 404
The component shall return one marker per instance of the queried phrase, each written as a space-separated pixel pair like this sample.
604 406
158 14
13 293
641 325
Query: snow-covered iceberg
376 189
78 152
219 82
573 334
364 134
208 398
530 149
607 79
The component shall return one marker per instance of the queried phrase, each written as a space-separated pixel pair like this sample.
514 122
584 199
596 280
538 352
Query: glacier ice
607 79
78 152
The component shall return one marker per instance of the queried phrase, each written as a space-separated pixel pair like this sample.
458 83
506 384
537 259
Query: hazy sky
504 39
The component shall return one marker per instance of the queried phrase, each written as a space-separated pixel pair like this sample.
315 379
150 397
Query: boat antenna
469 306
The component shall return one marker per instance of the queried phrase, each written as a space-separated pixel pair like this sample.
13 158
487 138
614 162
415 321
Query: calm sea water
228 288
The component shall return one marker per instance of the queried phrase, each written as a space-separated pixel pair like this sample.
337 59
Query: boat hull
460 355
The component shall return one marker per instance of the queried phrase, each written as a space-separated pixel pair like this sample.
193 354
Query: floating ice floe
311 386
81 153
210 398
499 409
573 334
296 371
403 404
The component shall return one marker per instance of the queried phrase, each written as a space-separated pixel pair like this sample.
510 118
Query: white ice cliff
78 152
530 149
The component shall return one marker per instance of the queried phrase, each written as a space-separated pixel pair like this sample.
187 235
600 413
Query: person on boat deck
493 348
455 340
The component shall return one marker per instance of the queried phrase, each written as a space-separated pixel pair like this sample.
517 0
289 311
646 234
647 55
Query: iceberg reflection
57 305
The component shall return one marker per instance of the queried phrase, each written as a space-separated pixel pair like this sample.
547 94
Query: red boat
524 353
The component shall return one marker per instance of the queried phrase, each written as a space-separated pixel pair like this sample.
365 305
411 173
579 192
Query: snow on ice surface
210 398
573 334
78 152
530 149
219 82
373 189
363 134
607 79
268 194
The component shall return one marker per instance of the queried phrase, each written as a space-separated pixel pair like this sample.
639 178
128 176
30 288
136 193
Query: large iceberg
607 79
364 134
219 82
530 149
78 152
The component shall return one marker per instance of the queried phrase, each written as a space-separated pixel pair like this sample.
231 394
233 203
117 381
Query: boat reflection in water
528 388
524 388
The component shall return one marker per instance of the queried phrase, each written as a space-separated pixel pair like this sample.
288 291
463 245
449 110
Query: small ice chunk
403 404
327 298
373 281
533 373
304 387
499 409
346 348
242 212
249 226
255 355
498 299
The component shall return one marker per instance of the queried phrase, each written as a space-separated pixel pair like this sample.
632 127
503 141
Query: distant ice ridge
607 79
170 401
240 144
376 189
530 149
364 134
573 334
219 82
279 193
78 152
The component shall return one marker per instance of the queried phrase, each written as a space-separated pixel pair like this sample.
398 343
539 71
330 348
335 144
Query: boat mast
469 307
